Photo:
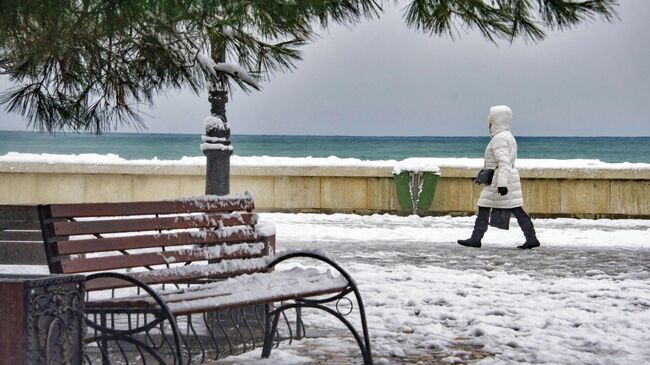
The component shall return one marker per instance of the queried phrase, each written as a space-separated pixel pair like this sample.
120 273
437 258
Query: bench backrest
94 237
20 236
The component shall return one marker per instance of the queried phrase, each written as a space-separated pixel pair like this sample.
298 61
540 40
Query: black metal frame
298 304
105 333
225 332
230 325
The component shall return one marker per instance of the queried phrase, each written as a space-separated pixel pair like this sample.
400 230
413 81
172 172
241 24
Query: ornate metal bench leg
106 333
367 354
104 343
363 343
269 331
299 325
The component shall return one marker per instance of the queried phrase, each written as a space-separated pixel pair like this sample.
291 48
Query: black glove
502 190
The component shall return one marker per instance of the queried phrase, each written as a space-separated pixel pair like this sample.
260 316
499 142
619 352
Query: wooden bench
183 279
20 236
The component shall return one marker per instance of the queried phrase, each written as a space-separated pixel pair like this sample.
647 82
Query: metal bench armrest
363 342
283 256
166 313
136 282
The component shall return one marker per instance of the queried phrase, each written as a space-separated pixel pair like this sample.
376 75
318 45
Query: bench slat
110 283
205 304
121 261
19 224
152 224
200 204
204 307
186 274
245 234
257 288
100 306
22 253
238 291
21 235
18 212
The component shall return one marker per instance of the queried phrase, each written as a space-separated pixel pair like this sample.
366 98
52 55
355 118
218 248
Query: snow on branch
230 69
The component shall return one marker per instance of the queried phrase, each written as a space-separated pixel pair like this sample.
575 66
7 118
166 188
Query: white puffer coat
501 154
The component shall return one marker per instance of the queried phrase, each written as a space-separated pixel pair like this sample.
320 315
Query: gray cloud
380 78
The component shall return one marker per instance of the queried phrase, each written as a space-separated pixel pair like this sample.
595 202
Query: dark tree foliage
88 65
508 19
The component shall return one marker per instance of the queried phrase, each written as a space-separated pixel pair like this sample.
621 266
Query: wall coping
311 170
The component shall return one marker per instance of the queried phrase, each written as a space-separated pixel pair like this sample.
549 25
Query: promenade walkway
582 298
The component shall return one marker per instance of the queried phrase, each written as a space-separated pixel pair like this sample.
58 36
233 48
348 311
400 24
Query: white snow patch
215 146
213 139
229 68
416 165
215 122
266 229
332 161
254 287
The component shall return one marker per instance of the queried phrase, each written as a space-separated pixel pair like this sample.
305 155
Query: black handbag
484 177
500 218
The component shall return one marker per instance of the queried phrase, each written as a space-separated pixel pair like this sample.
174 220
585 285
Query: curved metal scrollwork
349 304
217 334
114 338
363 339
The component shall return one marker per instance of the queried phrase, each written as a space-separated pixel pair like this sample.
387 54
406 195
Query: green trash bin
429 184
403 189
415 190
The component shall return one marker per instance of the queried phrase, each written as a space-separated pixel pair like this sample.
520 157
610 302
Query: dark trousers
483 217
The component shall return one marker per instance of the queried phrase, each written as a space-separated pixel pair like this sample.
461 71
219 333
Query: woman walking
505 190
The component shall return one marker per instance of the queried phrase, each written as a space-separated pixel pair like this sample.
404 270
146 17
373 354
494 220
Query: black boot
527 227
530 243
471 242
480 226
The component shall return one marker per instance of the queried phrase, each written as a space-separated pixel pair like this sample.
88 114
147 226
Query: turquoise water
175 146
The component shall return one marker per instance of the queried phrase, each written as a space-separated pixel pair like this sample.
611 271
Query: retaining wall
588 193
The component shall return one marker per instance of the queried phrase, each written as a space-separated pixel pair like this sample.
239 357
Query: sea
134 146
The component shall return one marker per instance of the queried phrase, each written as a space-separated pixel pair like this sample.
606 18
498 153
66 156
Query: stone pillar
42 319
216 145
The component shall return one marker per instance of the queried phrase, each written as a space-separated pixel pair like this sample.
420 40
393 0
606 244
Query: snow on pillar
216 145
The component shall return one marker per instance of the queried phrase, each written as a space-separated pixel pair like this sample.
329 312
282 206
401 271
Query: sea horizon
314 135
173 146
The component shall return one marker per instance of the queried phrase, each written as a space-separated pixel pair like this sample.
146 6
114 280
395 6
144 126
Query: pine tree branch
87 64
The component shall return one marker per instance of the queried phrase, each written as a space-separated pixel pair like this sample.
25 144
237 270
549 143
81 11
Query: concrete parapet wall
547 192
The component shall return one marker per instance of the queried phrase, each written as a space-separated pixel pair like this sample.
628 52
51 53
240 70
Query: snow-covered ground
581 298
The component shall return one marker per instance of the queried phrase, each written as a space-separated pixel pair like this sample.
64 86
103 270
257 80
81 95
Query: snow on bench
207 253
246 289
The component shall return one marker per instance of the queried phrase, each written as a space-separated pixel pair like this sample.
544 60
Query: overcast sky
379 78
